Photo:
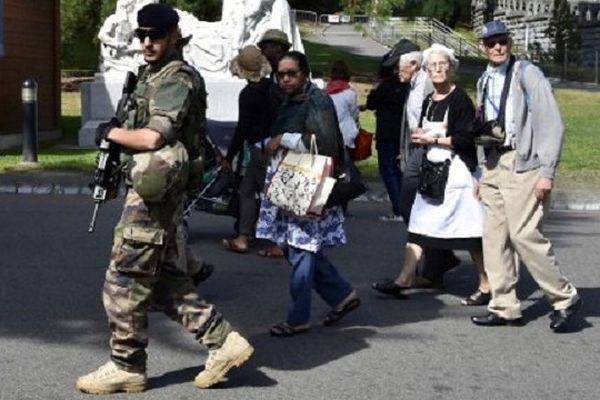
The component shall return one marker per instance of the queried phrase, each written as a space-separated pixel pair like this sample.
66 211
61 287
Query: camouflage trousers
145 268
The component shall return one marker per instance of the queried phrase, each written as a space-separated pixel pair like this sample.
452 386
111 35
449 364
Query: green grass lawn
580 162
54 155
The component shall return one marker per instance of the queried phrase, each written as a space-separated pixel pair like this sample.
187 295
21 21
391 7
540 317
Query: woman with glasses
456 222
306 111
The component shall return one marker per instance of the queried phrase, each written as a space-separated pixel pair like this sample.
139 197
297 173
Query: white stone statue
119 48
213 44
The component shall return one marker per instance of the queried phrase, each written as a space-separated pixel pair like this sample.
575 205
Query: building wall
529 19
31 33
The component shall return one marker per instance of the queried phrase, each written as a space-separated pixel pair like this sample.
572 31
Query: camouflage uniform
146 259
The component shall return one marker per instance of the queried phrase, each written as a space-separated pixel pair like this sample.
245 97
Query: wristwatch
435 141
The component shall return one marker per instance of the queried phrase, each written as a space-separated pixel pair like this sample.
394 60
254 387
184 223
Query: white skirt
459 216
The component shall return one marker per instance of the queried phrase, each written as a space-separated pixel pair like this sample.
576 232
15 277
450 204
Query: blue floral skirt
310 233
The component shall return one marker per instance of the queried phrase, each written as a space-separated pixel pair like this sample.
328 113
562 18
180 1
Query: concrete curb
563 200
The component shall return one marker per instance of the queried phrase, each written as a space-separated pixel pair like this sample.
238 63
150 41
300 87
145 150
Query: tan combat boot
235 351
109 378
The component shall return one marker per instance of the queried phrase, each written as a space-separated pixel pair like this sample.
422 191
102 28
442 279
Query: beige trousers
513 224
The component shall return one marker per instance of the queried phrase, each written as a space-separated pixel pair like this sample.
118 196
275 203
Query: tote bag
300 181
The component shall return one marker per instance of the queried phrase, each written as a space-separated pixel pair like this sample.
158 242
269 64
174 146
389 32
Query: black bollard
29 94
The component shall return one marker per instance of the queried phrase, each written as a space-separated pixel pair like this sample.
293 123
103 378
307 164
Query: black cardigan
388 99
254 120
461 113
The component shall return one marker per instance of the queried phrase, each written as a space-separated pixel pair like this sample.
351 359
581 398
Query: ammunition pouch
154 175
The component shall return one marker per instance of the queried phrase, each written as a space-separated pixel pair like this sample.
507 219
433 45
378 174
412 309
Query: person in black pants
387 100
253 129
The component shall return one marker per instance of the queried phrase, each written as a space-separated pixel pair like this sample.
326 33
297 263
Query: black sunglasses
153 34
490 44
290 74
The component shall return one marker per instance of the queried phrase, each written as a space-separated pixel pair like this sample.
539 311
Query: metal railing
343 19
305 16
421 30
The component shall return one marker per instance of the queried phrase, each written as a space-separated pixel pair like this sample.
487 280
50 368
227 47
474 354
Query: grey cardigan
532 118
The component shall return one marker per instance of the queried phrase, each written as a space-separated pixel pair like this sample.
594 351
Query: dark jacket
387 100
254 121
313 112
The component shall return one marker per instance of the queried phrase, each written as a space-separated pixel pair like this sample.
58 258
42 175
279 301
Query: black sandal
391 288
478 298
283 329
335 315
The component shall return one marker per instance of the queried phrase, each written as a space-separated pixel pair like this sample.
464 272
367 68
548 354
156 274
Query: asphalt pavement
53 326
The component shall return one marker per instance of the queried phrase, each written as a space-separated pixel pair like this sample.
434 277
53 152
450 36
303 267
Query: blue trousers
312 270
387 152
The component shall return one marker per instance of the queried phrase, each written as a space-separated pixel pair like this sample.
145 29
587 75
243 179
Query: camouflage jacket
170 98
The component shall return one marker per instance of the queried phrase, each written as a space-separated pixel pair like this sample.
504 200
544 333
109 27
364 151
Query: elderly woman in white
456 222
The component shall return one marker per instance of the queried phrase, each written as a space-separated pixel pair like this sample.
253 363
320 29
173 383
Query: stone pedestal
100 97
98 104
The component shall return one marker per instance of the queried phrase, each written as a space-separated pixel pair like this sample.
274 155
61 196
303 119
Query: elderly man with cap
252 130
160 137
521 131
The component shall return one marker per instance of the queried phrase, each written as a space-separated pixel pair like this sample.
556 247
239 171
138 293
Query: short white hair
440 49
414 57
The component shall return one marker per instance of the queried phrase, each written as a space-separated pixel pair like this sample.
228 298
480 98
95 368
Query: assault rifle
107 176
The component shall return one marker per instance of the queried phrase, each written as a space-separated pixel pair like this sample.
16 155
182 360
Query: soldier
159 135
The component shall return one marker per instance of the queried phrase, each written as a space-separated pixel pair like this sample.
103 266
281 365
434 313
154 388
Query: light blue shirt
495 76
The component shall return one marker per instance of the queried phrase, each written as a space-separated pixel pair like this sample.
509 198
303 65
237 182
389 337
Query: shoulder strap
505 90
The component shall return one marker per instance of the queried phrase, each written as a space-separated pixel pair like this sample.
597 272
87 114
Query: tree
80 20
563 31
450 12
379 8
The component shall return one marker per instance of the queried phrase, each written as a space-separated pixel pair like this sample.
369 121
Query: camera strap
504 95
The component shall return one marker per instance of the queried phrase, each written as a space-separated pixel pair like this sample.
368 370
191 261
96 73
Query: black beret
404 46
157 16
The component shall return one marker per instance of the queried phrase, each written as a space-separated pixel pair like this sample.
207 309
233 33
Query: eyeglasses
292 73
490 44
153 34
438 65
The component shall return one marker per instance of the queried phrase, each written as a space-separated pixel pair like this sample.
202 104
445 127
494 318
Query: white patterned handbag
302 182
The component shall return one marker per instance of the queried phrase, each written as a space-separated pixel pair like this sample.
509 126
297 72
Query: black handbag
433 177
343 191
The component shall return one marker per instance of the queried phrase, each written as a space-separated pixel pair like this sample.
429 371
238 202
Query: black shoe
561 319
203 274
491 319
478 298
390 287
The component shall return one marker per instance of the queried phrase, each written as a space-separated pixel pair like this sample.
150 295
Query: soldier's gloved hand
104 128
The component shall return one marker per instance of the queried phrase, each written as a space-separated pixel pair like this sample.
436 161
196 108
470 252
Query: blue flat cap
493 28
159 16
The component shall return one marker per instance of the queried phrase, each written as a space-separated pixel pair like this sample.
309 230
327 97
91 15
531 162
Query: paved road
53 328
346 38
